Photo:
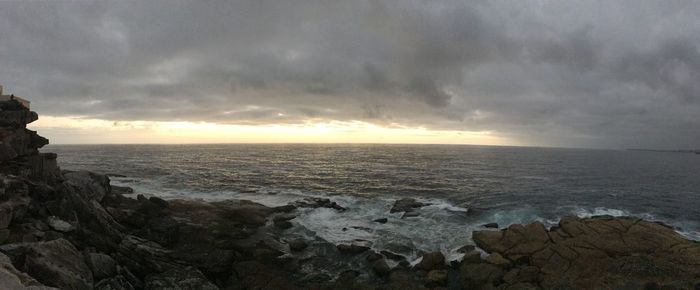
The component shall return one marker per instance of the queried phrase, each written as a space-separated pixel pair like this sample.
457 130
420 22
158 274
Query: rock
406 205
471 257
159 202
283 224
58 224
102 265
316 202
381 220
55 263
90 185
179 279
409 214
380 267
297 245
13 279
373 256
283 217
498 260
4 235
355 248
479 276
436 278
120 190
392 256
490 225
5 215
466 249
145 257
115 283
431 261
593 253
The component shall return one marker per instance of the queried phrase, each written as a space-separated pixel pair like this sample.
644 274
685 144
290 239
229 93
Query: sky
598 74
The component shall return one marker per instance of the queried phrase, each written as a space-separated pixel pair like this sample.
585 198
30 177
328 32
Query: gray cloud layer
584 73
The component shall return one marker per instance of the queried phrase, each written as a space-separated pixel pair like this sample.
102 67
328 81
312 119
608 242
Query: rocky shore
73 230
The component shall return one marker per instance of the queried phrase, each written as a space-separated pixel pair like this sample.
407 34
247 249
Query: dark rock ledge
72 230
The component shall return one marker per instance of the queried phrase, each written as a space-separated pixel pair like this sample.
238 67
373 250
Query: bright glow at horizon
77 130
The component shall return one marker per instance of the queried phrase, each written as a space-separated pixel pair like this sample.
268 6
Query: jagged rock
102 265
13 279
355 247
316 202
381 220
115 283
55 263
471 257
406 205
89 185
283 224
179 279
145 257
431 261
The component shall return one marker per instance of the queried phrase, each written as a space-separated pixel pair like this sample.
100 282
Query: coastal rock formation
595 253
73 230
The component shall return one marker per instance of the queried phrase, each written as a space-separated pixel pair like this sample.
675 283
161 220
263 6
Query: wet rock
431 261
436 278
471 257
283 224
410 214
179 279
316 202
102 265
466 249
159 202
122 190
355 248
380 267
490 225
393 256
381 220
283 217
297 245
405 205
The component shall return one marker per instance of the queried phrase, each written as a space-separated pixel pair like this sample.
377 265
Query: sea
465 187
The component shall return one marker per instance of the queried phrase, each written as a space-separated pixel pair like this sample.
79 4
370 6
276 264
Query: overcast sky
614 74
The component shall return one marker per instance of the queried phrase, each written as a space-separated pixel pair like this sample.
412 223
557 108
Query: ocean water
466 186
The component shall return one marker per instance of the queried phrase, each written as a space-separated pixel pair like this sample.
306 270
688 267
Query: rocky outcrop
594 253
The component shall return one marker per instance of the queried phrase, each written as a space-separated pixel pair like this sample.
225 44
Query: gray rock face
91 186
406 205
145 257
114 283
102 266
55 263
13 279
179 279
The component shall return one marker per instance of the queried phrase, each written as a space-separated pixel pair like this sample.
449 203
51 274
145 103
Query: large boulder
55 263
90 185
144 257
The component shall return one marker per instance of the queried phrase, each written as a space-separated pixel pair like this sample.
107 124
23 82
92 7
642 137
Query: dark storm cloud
586 73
